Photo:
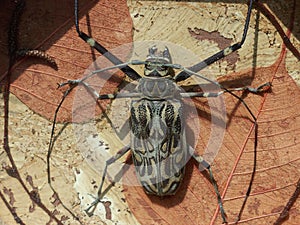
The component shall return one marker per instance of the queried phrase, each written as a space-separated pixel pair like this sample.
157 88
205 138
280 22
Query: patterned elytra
159 154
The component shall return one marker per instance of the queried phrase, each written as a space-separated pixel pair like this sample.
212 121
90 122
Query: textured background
164 21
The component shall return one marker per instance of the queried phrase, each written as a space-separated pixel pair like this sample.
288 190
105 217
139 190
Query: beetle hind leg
205 165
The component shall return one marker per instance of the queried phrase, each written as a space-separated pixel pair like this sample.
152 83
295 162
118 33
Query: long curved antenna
221 54
101 49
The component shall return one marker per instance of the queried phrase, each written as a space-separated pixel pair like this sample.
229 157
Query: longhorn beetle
158 145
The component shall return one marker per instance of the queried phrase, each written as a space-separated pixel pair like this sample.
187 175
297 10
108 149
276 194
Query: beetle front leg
262 88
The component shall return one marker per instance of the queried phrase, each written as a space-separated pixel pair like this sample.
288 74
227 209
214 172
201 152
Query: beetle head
156 63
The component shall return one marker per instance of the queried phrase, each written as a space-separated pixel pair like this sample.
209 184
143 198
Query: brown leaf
277 172
49 26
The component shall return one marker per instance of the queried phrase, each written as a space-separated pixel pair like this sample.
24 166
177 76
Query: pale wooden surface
166 21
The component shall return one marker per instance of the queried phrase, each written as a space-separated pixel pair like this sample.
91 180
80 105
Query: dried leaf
49 26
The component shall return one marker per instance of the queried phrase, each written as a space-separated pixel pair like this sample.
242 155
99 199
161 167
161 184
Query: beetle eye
161 68
150 66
